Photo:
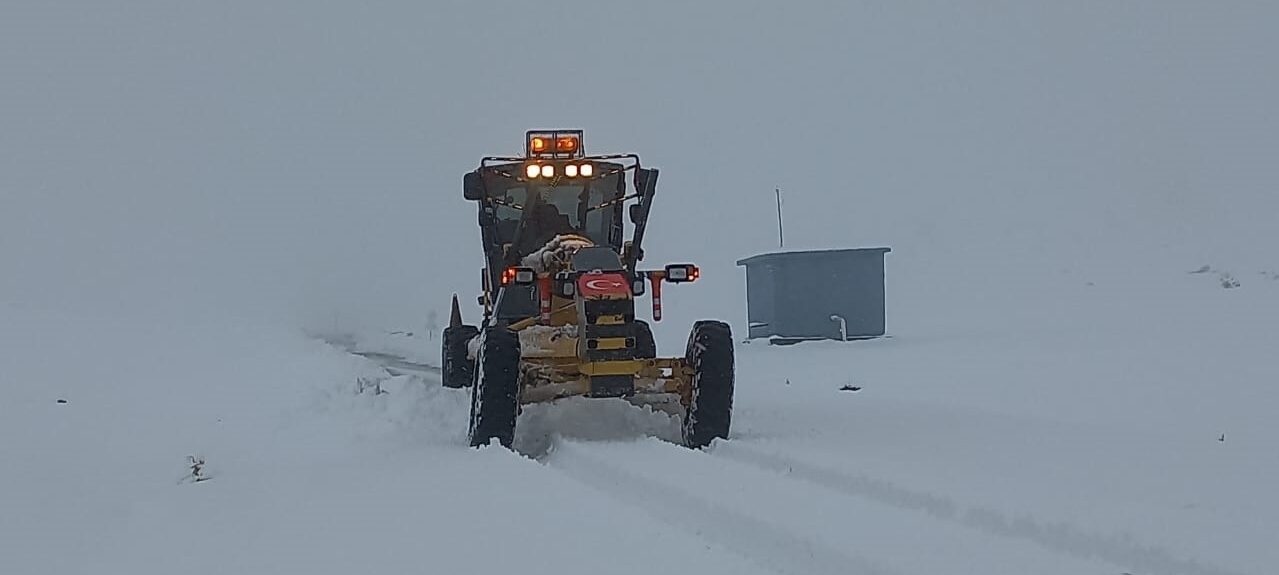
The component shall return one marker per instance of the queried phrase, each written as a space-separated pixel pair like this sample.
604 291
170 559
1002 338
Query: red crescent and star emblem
604 285
608 284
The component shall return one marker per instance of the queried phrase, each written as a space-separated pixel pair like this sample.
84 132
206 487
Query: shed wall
795 294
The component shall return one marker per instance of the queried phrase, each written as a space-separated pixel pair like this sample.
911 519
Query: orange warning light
566 144
560 144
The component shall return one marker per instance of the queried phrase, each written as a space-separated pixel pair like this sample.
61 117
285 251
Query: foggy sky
302 160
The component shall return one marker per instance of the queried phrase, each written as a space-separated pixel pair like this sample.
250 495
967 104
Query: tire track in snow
394 364
765 544
1059 537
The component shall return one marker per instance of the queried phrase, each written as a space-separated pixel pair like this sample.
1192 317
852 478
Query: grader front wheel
495 396
709 411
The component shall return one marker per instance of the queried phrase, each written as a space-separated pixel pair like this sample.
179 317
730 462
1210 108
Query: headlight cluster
548 170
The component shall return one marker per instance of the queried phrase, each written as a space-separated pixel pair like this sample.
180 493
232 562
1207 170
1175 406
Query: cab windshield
569 207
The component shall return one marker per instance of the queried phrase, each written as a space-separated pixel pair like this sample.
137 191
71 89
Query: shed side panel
849 285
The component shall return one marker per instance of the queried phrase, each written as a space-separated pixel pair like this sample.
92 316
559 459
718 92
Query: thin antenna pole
781 238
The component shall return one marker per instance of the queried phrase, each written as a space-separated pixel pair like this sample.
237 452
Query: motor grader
559 289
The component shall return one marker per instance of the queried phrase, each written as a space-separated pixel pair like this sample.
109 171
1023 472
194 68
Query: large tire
709 413
456 369
495 396
645 345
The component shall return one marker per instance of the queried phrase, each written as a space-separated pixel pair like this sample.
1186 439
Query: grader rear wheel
456 369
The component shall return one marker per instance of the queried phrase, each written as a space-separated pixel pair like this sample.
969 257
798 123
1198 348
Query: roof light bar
558 144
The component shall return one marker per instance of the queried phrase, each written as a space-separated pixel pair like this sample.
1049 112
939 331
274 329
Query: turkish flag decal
603 285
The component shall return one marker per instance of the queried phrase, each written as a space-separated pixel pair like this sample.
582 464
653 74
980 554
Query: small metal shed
821 294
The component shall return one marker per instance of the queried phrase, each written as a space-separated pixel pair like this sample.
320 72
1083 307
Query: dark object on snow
822 294
197 469
62 401
850 388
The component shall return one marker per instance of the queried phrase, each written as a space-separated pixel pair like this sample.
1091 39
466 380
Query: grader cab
559 292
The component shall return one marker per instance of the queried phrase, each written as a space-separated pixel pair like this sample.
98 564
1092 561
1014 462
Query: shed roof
774 256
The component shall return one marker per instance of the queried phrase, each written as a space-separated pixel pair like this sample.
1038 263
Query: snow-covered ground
1114 435
316 462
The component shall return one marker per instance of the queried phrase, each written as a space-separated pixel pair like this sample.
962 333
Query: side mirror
680 273
473 186
635 213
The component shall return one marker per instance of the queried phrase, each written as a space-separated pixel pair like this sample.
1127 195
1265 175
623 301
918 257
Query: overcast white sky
304 159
